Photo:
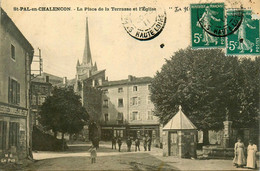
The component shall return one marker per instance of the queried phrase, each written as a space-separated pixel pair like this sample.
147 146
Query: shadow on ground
131 161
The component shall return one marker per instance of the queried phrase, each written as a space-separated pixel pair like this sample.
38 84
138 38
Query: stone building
86 83
39 91
127 109
15 69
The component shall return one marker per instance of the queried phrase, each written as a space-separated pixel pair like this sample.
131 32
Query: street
78 158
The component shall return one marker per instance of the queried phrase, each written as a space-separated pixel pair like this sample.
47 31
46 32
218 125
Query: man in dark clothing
149 142
129 143
114 142
119 142
137 144
145 143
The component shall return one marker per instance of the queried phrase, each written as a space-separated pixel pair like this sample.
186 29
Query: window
105 103
134 88
119 117
12 52
106 117
105 91
150 115
13 91
3 134
149 87
135 116
135 101
100 81
34 100
120 90
120 102
149 100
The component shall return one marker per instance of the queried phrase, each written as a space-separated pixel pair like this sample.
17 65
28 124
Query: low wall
217 152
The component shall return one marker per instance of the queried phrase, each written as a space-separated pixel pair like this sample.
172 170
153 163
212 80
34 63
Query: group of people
147 142
239 156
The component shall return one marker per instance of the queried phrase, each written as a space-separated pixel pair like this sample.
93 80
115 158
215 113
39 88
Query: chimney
65 80
130 78
47 79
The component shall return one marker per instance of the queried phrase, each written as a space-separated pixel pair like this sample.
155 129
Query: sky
61 35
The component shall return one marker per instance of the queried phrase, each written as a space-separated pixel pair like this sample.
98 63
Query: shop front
141 131
12 133
108 132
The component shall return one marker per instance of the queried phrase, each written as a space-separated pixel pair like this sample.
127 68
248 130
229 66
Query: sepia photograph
129 85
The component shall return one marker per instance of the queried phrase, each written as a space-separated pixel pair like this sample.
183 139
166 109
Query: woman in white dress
251 155
239 159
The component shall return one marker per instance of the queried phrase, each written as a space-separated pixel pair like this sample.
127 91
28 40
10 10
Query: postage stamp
144 24
207 25
245 40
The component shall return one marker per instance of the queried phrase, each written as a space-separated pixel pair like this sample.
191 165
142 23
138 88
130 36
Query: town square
123 85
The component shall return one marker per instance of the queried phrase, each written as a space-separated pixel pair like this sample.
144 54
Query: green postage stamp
245 40
207 25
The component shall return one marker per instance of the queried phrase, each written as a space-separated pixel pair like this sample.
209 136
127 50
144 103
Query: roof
135 80
7 22
93 74
53 79
179 122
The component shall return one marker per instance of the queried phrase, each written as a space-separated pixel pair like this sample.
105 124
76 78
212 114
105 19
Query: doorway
173 144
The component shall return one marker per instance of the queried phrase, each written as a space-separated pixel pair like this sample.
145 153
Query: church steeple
87 59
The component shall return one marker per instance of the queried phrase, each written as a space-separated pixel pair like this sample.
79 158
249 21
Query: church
86 83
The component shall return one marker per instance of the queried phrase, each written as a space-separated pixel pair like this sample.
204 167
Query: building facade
40 90
15 70
127 109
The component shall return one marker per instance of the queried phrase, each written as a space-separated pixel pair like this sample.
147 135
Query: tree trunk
205 137
55 134
62 137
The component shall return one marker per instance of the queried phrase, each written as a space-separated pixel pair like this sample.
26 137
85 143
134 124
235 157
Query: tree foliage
210 86
63 112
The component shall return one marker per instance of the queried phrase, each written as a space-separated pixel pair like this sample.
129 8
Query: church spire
95 67
87 54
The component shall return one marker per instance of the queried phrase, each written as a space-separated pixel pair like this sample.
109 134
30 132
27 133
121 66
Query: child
93 154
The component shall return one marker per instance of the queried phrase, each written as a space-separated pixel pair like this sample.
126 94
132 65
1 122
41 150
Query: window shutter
9 90
131 116
138 116
18 93
139 100
14 97
17 134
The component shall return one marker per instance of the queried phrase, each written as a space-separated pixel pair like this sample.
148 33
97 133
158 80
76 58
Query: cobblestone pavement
77 158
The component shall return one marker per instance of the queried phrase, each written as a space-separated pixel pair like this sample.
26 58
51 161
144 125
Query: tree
204 82
249 79
63 112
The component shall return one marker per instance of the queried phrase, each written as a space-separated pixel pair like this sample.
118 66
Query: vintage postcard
129 85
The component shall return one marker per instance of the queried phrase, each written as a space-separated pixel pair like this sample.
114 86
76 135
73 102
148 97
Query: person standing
149 142
119 142
93 154
129 143
145 143
113 142
239 159
137 144
251 155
